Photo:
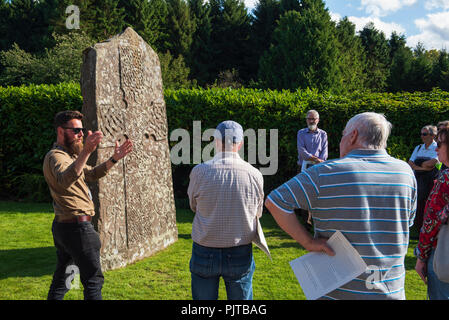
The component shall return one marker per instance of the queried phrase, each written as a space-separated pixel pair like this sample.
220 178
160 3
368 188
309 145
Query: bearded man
66 172
311 142
312 149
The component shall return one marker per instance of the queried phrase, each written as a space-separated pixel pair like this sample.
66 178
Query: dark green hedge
26 134
26 115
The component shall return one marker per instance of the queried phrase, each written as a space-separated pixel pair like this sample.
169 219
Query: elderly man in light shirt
312 149
311 142
226 194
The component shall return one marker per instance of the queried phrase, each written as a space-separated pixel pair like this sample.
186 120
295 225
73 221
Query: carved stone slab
121 85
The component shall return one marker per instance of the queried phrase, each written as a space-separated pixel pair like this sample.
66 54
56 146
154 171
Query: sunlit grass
28 259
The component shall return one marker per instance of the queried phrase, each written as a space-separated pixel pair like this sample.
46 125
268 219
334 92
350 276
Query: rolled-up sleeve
95 173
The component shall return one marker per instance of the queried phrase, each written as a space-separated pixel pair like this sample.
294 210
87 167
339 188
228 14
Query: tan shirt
70 193
226 193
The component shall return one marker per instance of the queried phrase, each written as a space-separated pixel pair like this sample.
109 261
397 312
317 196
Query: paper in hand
319 273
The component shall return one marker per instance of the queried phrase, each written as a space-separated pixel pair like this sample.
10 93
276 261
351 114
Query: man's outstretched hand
121 151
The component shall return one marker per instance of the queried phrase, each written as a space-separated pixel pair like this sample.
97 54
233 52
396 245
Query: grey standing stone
122 92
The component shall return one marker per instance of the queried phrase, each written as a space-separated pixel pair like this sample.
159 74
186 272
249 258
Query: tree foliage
62 63
377 57
299 58
285 44
351 55
200 56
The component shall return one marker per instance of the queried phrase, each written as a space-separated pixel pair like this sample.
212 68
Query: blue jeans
236 266
436 289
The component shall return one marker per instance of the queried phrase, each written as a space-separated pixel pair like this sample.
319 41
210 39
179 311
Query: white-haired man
311 142
367 195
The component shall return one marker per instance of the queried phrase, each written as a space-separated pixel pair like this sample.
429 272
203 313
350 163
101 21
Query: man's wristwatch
113 160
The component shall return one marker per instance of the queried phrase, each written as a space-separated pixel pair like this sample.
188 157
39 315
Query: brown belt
75 219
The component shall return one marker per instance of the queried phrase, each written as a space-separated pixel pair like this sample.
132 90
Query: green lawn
27 262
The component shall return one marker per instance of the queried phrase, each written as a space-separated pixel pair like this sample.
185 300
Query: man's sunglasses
76 130
425 134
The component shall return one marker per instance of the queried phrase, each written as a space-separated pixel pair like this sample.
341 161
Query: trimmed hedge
27 133
26 115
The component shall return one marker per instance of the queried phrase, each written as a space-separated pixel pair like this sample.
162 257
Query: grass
28 259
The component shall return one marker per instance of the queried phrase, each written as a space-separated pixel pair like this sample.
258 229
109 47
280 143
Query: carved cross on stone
122 92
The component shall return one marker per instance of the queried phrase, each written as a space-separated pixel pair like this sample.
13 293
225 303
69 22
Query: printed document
260 240
319 273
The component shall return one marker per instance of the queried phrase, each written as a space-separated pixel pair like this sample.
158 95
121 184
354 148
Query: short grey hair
431 129
373 129
314 112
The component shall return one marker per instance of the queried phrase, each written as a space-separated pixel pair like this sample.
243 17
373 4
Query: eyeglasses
425 134
312 119
76 130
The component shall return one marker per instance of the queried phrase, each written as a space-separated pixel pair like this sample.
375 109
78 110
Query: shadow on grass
30 262
184 216
186 236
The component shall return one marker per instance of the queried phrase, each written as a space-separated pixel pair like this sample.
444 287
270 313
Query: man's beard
74 146
312 127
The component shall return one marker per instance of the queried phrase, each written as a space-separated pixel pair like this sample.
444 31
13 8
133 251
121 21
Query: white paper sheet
260 240
319 274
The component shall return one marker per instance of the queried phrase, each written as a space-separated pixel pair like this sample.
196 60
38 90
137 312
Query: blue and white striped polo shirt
371 198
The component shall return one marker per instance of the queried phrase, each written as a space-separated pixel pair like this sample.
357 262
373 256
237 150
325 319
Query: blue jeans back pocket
201 262
238 260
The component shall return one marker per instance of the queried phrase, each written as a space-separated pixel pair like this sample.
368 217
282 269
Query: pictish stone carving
121 85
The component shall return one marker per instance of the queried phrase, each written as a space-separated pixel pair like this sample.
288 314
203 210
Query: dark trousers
76 244
425 182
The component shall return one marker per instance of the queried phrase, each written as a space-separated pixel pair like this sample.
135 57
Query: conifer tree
401 60
289 5
377 57
419 78
159 33
265 16
440 72
25 25
351 57
400 70
138 16
108 19
200 58
5 18
395 43
299 58
180 28
230 34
